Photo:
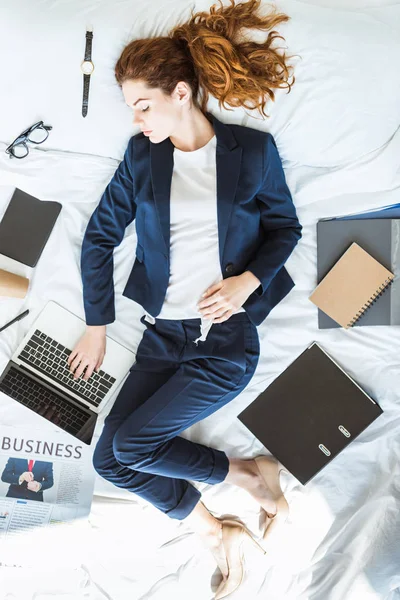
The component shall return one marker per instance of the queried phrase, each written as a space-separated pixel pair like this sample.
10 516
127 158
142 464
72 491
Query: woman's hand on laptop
88 354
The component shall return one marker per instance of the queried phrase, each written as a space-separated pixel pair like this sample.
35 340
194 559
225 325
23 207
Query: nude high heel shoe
270 470
234 535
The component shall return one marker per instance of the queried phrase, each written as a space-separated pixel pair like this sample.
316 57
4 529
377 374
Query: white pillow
42 45
345 102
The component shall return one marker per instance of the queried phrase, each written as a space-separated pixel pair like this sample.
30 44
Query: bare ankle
213 531
243 473
203 522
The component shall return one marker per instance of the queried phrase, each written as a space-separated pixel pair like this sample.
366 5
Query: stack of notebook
358 270
314 409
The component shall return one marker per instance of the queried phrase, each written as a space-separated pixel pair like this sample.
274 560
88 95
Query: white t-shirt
194 246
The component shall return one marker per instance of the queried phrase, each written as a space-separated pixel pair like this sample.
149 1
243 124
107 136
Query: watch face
87 67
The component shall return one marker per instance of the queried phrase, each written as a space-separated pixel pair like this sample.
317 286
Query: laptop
38 374
310 413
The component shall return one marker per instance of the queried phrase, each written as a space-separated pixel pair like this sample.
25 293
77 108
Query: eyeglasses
36 134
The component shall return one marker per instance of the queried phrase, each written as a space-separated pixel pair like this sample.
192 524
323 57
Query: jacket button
229 268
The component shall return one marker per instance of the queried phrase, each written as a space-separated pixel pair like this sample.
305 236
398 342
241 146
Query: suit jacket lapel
228 162
229 158
161 166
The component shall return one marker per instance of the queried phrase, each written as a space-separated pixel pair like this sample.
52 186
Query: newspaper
46 480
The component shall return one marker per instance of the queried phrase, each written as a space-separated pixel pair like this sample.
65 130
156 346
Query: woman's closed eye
145 109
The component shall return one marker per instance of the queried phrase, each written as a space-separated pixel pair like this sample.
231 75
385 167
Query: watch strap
88 47
85 101
86 78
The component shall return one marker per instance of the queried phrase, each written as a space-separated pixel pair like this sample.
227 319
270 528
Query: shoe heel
249 537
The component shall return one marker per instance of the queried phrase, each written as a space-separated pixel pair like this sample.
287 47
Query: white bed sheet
343 538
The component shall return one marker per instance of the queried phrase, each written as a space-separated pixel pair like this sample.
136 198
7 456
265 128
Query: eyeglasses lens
38 135
19 151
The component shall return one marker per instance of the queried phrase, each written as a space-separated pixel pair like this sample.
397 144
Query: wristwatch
87 68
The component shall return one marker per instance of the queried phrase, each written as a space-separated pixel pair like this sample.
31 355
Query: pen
21 316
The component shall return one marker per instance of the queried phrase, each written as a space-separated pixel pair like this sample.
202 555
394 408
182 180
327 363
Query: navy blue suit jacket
257 222
42 471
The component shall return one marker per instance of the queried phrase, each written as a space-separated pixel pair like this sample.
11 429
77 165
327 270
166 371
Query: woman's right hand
89 352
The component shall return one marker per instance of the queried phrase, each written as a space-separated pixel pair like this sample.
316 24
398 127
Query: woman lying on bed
215 224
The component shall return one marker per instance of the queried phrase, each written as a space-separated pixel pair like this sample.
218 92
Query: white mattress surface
339 139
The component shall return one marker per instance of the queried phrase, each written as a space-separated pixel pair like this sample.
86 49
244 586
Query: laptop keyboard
50 357
43 402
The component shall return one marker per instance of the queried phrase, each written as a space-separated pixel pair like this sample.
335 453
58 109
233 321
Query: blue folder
388 212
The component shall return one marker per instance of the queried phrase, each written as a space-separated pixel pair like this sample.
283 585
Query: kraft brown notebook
351 286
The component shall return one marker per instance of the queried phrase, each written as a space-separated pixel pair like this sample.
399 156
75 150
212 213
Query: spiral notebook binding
381 290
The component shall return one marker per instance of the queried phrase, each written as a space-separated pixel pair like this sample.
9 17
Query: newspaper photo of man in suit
27 478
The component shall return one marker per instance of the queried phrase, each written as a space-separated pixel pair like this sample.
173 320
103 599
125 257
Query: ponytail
209 53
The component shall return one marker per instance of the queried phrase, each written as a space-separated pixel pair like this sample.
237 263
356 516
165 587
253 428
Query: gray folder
381 239
26 226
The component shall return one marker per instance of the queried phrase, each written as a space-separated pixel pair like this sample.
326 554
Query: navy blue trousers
174 384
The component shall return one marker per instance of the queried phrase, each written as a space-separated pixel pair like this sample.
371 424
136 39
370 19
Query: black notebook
26 227
310 413
381 239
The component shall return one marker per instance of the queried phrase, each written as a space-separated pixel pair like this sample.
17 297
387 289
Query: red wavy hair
207 53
